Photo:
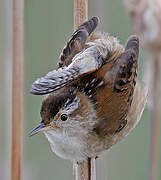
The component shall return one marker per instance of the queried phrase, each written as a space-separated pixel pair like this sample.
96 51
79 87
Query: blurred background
48 25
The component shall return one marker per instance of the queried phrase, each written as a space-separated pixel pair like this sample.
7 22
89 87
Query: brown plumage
112 88
89 104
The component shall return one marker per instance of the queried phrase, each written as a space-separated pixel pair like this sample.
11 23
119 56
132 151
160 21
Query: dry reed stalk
85 170
80 12
17 89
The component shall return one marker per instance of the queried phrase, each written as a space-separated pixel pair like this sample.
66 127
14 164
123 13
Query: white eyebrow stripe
70 107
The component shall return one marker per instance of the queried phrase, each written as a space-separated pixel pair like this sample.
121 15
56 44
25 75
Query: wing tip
132 42
95 19
39 92
90 25
35 91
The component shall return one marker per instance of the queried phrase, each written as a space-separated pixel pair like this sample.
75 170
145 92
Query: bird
92 100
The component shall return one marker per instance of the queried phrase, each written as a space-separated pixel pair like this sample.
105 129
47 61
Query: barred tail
125 79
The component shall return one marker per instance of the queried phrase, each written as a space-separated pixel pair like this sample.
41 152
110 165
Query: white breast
67 147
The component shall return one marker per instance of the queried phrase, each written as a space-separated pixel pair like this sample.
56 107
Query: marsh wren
92 99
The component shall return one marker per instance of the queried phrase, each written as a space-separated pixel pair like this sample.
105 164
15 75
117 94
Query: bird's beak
37 129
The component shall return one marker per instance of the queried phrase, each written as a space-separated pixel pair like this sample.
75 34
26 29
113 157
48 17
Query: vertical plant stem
80 12
155 121
93 168
85 170
17 88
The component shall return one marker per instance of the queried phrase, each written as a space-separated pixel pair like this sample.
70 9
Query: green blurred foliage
48 25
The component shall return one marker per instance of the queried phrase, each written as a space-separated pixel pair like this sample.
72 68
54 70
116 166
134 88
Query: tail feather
127 66
133 43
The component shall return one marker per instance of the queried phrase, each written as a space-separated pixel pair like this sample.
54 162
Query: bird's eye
64 117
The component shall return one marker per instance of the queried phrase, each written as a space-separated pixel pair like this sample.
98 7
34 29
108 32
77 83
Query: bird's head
66 110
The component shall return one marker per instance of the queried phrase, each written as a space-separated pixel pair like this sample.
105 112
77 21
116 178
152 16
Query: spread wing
68 70
77 41
56 79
